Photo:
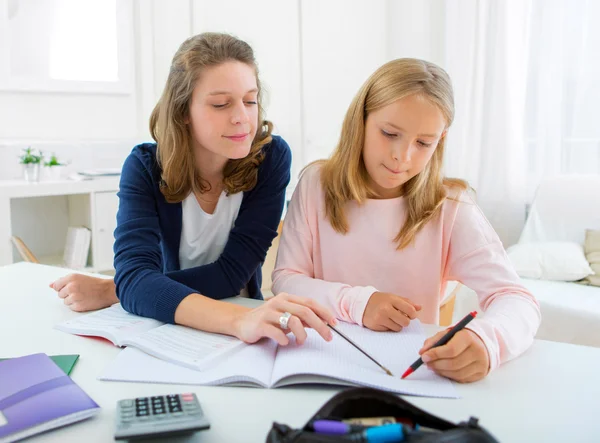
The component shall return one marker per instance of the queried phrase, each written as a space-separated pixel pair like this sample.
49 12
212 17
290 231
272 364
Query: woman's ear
444 134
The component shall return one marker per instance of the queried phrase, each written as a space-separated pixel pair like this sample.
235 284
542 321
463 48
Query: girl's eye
251 103
219 106
388 134
423 144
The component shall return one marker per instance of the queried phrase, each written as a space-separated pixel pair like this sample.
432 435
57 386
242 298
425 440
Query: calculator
159 416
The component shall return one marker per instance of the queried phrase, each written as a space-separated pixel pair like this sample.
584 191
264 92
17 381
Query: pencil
442 341
345 337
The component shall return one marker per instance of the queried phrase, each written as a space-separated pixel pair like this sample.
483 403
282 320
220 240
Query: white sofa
563 208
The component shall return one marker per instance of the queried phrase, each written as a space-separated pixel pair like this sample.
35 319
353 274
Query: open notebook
265 364
179 344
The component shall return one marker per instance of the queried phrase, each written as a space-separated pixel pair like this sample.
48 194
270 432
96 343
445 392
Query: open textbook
179 344
268 365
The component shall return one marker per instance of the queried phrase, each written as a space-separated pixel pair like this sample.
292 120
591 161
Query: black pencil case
421 426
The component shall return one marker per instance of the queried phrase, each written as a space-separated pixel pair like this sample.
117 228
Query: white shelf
21 188
40 214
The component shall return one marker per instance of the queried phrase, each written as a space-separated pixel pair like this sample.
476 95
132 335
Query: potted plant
53 168
31 165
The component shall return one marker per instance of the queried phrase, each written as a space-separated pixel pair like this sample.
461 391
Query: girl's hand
84 293
263 321
464 358
389 312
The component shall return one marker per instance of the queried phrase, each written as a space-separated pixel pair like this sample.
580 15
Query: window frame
123 86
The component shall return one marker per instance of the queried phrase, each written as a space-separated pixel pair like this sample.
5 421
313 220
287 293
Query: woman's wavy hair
175 154
344 176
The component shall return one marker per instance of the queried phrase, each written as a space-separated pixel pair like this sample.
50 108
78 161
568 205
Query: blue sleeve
142 287
253 232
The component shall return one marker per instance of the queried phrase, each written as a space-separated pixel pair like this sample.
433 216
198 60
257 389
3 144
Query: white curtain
486 53
526 77
562 126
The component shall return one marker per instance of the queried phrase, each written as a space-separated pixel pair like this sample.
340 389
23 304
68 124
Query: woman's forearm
110 291
206 314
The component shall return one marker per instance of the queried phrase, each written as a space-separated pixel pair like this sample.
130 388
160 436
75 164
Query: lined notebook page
250 364
340 360
185 346
113 323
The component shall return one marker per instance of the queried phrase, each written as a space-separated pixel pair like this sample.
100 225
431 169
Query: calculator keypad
141 407
159 415
173 403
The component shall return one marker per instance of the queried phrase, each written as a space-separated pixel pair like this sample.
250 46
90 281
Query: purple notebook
36 395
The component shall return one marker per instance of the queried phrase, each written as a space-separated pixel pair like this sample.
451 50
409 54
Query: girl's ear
444 134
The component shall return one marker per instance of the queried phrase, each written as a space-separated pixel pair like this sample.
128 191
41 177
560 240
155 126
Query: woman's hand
464 358
389 312
84 293
250 326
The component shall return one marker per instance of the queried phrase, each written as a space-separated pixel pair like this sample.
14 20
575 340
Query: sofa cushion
592 254
559 261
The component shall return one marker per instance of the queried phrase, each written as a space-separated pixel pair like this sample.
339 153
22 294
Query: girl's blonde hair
173 136
344 176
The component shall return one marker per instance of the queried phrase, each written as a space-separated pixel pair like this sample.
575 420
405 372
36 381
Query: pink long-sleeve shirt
342 271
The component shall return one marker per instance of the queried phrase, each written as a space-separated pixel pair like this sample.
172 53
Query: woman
199 208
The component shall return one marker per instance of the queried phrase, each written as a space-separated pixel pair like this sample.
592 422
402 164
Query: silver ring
284 319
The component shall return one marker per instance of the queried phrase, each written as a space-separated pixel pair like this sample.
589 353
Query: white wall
313 56
36 116
416 29
343 42
108 125
87 129
271 27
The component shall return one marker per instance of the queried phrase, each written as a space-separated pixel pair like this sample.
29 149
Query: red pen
442 341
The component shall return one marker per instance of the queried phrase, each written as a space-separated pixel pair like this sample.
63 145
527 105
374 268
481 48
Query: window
66 45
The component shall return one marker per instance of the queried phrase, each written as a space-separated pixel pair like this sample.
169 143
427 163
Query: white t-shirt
203 236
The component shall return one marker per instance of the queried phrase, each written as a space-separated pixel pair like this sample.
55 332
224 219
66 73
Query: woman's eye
388 134
219 106
425 145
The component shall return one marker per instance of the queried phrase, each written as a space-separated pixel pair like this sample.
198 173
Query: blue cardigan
148 277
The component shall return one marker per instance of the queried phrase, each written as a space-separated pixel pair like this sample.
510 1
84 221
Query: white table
552 393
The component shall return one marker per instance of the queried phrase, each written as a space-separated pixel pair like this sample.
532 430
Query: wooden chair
269 265
23 250
447 307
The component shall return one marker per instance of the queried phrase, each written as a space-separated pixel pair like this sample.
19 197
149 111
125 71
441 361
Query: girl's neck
379 193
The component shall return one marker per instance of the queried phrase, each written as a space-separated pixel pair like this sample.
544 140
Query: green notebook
64 362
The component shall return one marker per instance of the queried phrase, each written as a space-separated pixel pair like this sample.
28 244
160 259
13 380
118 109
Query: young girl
199 208
375 232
